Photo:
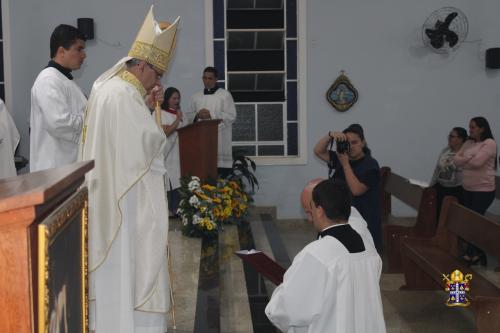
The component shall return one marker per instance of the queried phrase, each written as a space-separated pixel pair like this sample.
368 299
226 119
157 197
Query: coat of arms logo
457 285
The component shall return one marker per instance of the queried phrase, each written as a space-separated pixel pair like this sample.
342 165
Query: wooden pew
491 216
425 260
423 200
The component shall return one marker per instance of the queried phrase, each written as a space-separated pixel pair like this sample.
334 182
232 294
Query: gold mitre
155 42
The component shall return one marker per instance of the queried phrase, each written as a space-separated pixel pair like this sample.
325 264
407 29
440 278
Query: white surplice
172 158
128 216
57 107
221 106
9 139
328 289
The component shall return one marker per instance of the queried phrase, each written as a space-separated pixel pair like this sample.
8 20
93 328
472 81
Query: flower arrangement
204 208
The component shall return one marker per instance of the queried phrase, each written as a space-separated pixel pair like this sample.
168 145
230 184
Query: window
2 79
255 49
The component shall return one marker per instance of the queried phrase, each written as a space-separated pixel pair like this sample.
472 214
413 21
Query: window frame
301 158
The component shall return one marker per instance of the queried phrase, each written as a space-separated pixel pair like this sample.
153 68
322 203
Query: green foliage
243 171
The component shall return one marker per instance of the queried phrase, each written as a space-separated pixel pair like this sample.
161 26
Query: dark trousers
173 198
442 191
478 202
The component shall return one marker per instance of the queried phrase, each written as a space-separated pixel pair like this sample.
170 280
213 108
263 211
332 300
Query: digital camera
342 147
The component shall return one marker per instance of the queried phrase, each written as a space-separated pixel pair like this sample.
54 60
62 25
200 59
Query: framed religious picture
342 95
62 268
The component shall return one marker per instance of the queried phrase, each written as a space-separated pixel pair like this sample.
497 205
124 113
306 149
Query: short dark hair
211 69
335 197
167 94
64 35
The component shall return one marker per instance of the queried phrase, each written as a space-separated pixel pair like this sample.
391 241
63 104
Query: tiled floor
405 311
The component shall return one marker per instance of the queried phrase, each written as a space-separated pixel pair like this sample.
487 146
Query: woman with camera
353 163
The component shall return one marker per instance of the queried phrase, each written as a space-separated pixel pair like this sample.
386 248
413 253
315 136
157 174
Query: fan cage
459 25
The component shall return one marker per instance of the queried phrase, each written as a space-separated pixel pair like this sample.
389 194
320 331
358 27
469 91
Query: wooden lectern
25 201
198 149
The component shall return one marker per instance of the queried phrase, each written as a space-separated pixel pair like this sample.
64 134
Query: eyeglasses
158 74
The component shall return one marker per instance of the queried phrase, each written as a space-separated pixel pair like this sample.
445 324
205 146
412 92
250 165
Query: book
266 266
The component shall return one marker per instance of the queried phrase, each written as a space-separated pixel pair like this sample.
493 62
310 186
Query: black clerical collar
210 91
65 71
345 234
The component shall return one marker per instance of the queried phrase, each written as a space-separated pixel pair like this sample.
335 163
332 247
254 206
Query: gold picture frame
62 280
342 95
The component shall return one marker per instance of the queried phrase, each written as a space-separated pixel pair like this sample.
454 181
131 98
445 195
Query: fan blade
437 42
451 38
450 18
431 33
437 24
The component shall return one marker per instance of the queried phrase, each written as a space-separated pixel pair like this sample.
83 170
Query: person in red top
171 119
478 159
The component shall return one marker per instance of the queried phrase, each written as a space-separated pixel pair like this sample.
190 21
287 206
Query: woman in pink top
477 157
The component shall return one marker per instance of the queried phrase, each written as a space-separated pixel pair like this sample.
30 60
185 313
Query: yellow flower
208 187
216 200
209 226
202 196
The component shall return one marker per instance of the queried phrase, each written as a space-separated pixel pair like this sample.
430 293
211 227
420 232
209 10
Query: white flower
197 219
193 201
194 184
184 220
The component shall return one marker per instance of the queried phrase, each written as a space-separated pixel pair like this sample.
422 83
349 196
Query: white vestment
57 107
172 159
328 289
128 216
9 139
221 106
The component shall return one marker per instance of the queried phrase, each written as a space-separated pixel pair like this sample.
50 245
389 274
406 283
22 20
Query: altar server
9 139
333 283
57 103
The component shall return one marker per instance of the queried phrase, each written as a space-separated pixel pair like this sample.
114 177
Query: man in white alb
9 139
215 102
333 283
129 284
57 103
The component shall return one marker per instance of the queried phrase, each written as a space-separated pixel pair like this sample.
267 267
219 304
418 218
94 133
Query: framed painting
62 268
342 95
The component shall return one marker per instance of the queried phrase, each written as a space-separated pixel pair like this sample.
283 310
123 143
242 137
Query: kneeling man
333 283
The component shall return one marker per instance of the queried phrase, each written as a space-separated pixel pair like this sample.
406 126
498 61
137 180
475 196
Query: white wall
409 97
116 25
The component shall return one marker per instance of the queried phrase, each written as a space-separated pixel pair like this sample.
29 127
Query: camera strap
330 162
